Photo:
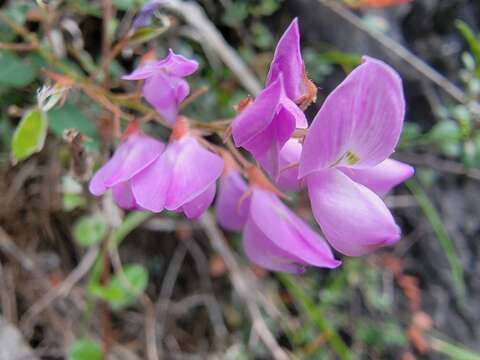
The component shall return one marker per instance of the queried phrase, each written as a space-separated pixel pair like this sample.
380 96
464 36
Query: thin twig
64 289
8 246
442 165
242 286
106 40
168 285
195 16
150 313
18 47
214 309
407 56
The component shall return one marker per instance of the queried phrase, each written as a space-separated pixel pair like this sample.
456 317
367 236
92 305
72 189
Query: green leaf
123 289
85 349
262 36
14 71
89 230
72 201
265 7
127 4
29 136
235 14
472 41
453 351
145 34
69 116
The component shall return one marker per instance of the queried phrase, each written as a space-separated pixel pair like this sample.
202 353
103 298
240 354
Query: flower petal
144 71
266 145
382 177
258 116
165 93
297 242
263 252
288 61
354 219
359 123
123 196
194 169
179 65
289 155
196 207
144 16
150 186
230 212
132 156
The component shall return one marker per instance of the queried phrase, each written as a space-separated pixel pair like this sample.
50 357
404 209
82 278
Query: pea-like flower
288 62
135 154
266 125
165 87
345 159
182 179
231 209
273 236
288 159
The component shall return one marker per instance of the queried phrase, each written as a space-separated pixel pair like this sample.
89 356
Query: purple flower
231 209
273 236
182 179
266 125
144 16
132 157
287 61
289 157
344 159
164 87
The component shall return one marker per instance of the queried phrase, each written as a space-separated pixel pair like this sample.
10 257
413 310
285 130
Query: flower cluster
342 159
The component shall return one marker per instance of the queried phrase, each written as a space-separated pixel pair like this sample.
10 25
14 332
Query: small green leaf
72 201
14 71
262 36
29 136
85 349
123 289
145 34
89 230
235 14
472 40
445 131
127 4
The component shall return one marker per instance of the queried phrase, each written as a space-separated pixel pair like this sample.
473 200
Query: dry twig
243 287
64 289
404 54
195 16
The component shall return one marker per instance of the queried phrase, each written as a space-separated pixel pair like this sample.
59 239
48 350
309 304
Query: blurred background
81 280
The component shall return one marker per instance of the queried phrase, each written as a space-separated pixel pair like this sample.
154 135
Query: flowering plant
342 159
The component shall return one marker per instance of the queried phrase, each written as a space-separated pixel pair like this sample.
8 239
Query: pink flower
182 179
273 236
287 61
288 159
135 154
164 87
345 159
266 125
231 210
